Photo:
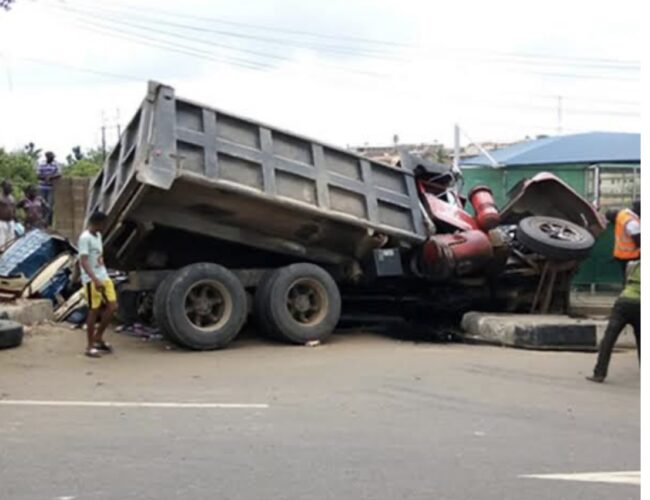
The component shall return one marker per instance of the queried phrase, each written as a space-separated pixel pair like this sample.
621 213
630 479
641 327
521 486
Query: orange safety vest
624 246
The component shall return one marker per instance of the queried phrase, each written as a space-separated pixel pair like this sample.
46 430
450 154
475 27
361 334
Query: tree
17 166
32 151
82 163
74 156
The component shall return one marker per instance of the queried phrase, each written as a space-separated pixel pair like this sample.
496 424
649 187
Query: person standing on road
36 209
99 290
626 311
627 234
7 213
47 173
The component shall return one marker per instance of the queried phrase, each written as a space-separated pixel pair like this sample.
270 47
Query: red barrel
487 215
458 254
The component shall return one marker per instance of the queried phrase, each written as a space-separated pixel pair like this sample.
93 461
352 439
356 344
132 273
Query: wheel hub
205 305
202 306
306 301
301 303
559 232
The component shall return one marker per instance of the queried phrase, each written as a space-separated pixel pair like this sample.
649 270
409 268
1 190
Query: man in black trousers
626 311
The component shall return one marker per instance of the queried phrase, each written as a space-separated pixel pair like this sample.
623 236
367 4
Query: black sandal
103 347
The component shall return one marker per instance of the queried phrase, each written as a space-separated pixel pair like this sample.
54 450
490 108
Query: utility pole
559 114
10 81
117 123
103 129
110 125
456 164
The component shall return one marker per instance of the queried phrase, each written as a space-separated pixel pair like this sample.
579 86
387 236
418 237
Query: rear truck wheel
205 306
555 238
260 301
299 303
134 306
160 309
11 334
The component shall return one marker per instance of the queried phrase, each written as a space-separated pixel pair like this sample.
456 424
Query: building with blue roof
589 148
604 167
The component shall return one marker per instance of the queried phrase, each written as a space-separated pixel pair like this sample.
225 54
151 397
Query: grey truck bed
201 171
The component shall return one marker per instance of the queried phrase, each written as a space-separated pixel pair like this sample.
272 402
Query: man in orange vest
627 234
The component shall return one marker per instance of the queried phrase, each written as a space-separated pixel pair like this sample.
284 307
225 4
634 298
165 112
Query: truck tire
205 306
299 303
260 301
160 309
134 306
11 334
555 238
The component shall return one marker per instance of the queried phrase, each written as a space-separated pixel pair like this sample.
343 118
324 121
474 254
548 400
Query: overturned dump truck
216 216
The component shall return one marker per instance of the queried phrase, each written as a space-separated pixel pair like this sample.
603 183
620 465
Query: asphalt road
363 417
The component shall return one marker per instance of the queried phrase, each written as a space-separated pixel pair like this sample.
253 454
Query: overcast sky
349 72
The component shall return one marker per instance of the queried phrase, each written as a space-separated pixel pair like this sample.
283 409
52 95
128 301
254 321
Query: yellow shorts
95 298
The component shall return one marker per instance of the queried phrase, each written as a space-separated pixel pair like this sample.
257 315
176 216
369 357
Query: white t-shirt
92 246
633 227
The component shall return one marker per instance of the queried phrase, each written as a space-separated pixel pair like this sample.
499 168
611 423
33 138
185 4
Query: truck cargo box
184 166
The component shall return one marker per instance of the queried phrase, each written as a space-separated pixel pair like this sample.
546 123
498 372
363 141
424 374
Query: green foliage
82 168
20 166
32 151
82 163
17 166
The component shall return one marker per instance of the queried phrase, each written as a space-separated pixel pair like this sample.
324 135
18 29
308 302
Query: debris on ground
140 331
42 265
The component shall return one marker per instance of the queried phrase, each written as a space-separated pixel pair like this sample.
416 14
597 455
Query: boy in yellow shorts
99 290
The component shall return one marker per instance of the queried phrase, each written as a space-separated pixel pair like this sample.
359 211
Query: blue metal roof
592 147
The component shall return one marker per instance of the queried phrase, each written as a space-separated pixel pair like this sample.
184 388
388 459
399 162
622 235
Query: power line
111 22
119 22
182 15
133 78
503 58
192 51
335 49
83 69
284 42
99 28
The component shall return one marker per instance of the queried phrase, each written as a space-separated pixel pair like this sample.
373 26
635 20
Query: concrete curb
544 331
28 311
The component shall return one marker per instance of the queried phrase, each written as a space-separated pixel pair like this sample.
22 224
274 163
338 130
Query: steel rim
208 305
307 301
560 231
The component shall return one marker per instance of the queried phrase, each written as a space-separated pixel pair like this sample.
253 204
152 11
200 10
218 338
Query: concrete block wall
70 201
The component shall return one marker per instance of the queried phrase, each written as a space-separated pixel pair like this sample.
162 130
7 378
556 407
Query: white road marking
132 404
619 477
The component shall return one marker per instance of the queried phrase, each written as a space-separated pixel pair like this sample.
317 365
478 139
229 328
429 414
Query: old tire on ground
11 334
300 303
160 309
205 306
555 238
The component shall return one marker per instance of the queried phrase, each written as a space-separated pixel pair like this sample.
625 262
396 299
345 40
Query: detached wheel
205 306
11 334
299 303
555 238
